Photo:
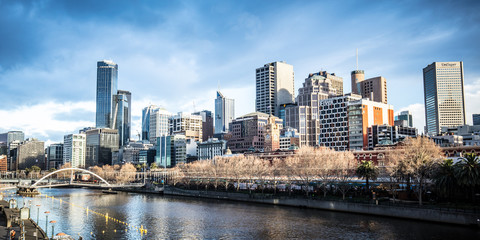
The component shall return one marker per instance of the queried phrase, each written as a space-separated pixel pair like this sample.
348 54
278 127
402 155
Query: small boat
109 192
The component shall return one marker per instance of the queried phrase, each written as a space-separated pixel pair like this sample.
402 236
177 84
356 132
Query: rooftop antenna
357 59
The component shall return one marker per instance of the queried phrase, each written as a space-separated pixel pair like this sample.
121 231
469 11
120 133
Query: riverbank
422 214
11 219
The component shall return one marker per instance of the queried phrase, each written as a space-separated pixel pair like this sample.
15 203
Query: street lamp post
53 227
38 212
46 222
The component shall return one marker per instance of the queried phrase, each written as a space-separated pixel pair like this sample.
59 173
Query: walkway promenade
10 219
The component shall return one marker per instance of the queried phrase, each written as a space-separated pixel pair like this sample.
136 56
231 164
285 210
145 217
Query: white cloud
472 100
45 119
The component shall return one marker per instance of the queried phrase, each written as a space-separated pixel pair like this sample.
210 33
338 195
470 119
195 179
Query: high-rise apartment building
122 115
405 116
187 124
363 114
374 89
146 112
305 116
101 143
159 124
444 96
476 119
224 113
107 72
274 87
74 149
55 156
207 125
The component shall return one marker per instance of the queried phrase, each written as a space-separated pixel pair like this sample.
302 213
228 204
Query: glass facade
123 116
106 88
444 96
224 113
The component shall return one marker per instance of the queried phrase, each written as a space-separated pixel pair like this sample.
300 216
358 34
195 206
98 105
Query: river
168 217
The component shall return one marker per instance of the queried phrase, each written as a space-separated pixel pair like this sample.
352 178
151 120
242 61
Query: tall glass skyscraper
224 113
444 96
107 72
123 115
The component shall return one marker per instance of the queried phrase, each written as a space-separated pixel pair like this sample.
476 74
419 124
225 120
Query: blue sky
176 53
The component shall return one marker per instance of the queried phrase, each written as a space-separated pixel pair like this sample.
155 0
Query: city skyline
48 88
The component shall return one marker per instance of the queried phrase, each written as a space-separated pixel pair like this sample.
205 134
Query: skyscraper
274 87
100 144
224 113
122 115
444 96
146 112
106 87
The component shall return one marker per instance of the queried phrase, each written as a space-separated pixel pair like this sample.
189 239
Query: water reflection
187 218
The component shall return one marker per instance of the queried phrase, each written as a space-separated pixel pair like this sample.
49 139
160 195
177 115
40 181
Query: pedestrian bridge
103 183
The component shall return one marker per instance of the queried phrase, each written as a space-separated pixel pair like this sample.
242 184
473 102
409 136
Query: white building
211 148
187 124
74 149
274 86
158 124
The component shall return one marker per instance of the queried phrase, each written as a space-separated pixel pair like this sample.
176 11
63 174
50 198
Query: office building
122 115
333 121
188 125
207 124
404 119
374 89
274 87
74 150
224 113
31 153
55 155
11 136
379 135
159 124
211 148
171 150
247 132
101 144
131 152
444 96
147 156
363 114
107 72
146 112
476 119
289 139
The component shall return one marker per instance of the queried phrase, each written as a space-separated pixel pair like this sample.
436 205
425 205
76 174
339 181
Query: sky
177 54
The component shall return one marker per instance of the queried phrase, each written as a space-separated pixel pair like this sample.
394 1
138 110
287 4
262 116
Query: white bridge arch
70 169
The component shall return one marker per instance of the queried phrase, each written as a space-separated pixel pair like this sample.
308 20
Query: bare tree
417 160
127 173
344 165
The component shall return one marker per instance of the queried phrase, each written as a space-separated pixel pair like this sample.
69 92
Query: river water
167 217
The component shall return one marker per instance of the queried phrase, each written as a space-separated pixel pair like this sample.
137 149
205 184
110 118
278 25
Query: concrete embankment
423 214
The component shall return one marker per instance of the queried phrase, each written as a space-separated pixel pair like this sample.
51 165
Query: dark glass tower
106 87
123 115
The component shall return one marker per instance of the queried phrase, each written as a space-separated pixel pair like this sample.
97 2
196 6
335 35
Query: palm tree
445 178
366 170
467 172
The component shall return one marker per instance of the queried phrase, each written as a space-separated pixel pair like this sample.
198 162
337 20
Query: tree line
417 166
